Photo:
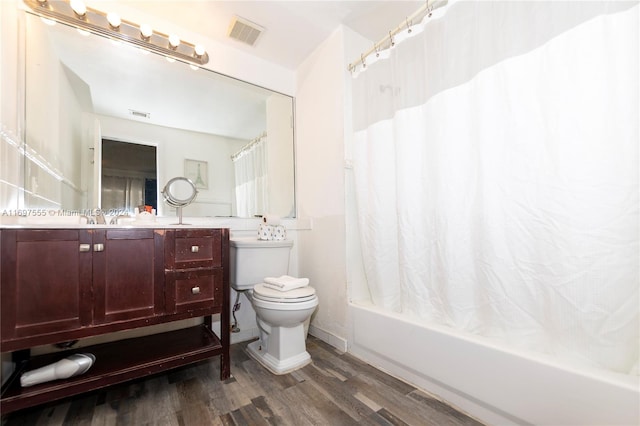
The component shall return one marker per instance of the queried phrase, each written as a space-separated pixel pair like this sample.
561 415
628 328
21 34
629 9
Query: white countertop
169 222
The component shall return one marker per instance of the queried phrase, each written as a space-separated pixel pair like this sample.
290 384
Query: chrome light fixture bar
76 14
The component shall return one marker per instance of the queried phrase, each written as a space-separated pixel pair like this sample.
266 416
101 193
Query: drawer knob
195 290
195 249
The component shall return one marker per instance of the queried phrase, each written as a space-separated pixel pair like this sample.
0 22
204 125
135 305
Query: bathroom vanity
58 285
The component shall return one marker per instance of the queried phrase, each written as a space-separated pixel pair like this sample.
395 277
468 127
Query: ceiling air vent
245 31
140 114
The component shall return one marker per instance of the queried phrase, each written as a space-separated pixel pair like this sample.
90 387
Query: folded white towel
285 282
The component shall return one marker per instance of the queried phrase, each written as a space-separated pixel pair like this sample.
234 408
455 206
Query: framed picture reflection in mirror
197 172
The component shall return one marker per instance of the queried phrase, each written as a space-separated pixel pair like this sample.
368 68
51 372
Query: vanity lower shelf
116 362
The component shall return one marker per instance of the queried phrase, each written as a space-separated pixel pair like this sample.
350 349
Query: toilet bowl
280 315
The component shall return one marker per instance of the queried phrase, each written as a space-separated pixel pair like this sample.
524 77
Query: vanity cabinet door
46 282
128 274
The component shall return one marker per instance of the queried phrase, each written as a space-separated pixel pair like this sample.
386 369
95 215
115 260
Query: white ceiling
293 29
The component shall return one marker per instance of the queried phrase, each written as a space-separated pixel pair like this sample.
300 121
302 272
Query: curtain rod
428 7
249 145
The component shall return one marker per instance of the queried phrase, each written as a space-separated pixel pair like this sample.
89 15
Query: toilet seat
297 295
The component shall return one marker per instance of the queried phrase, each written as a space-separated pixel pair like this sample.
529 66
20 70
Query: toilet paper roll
269 219
279 233
265 232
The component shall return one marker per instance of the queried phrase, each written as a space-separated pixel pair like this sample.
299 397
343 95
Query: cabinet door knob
195 290
85 247
98 247
195 249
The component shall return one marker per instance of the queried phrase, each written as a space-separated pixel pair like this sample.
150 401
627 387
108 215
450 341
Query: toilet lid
302 294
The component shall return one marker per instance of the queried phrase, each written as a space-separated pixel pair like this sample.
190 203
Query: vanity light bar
101 23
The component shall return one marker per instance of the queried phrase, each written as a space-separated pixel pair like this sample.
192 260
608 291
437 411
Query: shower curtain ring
408 27
429 9
375 48
364 65
391 39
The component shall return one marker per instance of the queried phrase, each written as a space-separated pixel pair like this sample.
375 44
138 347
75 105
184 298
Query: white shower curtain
496 172
250 169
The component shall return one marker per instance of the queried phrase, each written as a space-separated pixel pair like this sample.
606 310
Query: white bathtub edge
464 373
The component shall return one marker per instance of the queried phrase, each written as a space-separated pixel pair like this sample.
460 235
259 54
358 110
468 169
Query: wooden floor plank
375 419
405 408
390 418
170 420
226 397
81 410
250 416
196 413
53 415
438 405
104 415
329 411
336 389
262 405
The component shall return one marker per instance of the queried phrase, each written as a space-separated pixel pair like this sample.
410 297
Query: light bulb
174 41
146 31
199 49
114 20
78 7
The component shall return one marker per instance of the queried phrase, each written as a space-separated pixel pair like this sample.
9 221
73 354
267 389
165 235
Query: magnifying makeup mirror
179 192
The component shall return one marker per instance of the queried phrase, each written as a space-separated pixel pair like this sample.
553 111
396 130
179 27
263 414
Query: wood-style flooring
335 389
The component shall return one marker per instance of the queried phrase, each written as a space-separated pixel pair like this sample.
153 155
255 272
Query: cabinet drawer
187 249
195 249
193 290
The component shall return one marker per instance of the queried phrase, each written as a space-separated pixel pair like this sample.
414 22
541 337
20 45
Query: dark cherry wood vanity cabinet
60 285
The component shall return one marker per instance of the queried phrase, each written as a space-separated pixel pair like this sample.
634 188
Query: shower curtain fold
250 172
507 204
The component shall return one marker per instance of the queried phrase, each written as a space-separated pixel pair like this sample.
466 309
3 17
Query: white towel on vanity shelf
285 282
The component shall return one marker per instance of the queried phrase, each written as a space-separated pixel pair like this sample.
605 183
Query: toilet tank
251 260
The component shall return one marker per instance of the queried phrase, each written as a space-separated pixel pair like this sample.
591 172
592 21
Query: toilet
280 315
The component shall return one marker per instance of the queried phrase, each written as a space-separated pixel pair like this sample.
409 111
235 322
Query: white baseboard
336 341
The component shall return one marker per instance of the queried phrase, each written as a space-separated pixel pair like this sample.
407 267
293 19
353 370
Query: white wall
174 146
53 137
280 184
320 153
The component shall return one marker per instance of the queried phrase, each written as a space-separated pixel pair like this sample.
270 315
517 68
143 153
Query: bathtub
494 384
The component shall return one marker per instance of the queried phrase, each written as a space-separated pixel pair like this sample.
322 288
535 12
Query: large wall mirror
233 139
